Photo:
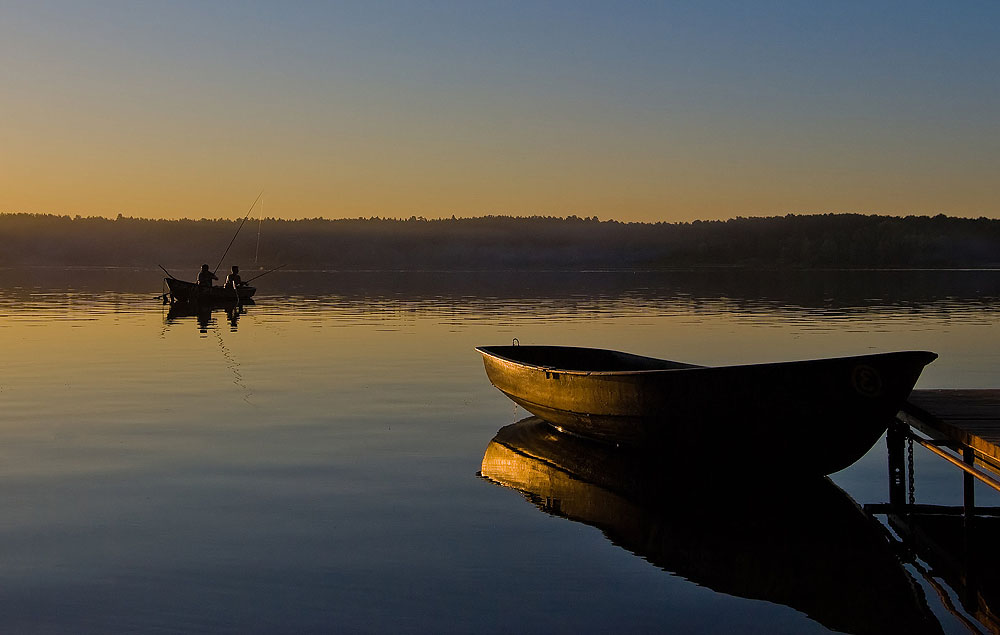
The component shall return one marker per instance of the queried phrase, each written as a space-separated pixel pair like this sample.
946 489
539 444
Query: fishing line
260 221
232 364
238 231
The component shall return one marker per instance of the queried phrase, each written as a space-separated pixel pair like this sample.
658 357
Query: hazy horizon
505 242
254 216
637 112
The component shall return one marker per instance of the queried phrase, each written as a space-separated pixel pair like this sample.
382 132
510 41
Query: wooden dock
947 545
967 421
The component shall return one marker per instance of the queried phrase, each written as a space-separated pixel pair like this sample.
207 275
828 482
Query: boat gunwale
586 373
484 350
188 292
194 286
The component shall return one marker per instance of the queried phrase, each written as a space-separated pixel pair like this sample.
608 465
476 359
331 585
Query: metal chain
909 470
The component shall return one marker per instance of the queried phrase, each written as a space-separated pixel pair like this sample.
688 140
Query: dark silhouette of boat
192 293
803 543
815 415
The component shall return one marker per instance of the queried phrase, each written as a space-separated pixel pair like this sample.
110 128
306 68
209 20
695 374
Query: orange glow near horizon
637 114
607 195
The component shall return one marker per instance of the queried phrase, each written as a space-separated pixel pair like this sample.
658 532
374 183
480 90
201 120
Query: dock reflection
804 544
203 313
961 553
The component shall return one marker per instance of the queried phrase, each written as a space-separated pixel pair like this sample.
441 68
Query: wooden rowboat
189 292
826 412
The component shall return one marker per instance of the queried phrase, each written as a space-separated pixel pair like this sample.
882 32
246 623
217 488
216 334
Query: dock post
970 565
969 482
897 468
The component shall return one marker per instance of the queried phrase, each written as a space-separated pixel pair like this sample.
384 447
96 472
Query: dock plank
968 417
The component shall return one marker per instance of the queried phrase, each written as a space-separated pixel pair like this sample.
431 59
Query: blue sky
631 110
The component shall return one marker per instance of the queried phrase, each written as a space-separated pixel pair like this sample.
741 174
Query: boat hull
833 410
189 292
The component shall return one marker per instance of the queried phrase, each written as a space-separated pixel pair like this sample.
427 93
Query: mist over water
309 463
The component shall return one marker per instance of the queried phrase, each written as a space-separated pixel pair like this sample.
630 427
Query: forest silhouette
506 242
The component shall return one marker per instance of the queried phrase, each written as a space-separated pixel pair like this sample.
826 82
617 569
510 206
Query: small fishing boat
821 415
192 293
182 291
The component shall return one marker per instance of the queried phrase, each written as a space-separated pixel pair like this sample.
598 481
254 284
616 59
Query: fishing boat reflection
805 544
203 313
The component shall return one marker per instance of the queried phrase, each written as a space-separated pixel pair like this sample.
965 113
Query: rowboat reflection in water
815 416
806 545
203 313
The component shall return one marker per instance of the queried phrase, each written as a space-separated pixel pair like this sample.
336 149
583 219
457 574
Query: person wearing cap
205 277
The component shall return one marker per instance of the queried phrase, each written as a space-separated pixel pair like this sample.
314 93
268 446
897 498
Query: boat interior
580 359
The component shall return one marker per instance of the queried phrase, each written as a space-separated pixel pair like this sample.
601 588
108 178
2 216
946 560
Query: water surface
310 463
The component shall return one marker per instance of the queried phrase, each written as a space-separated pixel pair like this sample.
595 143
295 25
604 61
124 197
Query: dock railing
949 546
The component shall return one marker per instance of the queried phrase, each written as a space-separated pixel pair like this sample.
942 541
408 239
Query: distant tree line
505 242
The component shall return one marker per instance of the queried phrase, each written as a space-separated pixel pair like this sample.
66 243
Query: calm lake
312 463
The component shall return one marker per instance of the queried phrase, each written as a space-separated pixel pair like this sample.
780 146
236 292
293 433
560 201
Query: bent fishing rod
237 232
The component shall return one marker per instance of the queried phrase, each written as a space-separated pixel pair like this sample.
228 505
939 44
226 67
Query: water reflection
807 298
203 313
806 545
962 554
823 294
806 303
311 470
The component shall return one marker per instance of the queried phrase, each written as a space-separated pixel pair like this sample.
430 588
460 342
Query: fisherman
233 280
205 277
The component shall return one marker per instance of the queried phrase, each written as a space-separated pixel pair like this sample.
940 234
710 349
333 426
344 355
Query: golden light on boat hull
818 416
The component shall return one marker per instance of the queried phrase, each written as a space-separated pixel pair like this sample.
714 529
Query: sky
636 111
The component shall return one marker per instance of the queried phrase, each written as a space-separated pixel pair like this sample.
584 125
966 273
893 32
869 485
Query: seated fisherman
233 280
205 276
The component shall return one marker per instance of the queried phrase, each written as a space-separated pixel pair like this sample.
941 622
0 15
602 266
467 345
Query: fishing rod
164 294
237 232
264 274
